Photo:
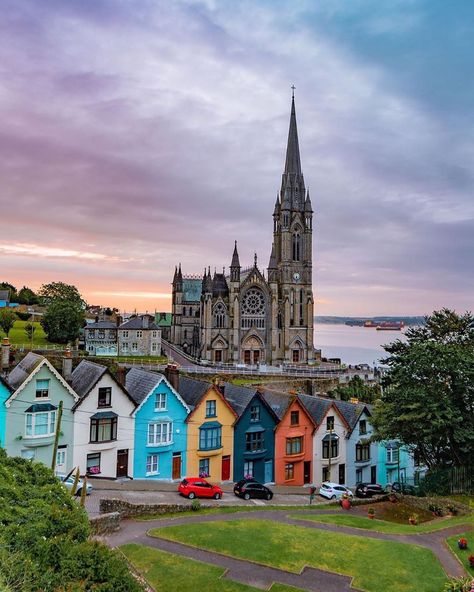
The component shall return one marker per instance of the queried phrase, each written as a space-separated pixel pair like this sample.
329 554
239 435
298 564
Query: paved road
310 579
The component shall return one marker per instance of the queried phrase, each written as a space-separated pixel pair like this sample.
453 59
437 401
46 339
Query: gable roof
24 372
277 402
317 407
138 323
141 383
192 390
101 325
87 374
238 397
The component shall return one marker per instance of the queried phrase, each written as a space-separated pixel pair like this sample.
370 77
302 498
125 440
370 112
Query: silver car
69 482
334 490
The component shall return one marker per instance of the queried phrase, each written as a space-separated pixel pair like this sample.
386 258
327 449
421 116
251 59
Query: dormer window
295 418
255 413
105 397
42 388
211 408
362 426
160 401
330 423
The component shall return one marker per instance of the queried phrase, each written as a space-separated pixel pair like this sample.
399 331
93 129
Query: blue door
268 471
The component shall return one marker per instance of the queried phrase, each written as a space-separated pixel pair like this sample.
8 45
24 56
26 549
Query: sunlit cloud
44 251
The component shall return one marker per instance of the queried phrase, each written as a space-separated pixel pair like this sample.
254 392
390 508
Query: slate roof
278 402
137 323
316 406
139 383
5 295
85 377
238 397
192 390
101 325
22 370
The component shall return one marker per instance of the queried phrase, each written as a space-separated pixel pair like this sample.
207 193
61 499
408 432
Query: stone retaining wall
127 509
105 523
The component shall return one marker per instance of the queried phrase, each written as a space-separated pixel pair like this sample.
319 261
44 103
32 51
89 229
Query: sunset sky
136 134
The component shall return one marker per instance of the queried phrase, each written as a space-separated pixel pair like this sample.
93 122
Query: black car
405 488
252 489
368 489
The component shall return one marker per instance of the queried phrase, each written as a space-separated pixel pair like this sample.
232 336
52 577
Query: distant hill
409 321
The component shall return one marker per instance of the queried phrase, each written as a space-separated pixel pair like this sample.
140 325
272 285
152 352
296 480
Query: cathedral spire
272 263
235 257
293 162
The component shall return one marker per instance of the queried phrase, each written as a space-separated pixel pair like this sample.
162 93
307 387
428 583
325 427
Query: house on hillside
254 434
32 413
104 429
362 453
139 336
101 338
395 463
210 430
160 426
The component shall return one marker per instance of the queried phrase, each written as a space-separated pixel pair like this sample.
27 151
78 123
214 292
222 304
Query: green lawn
222 510
463 554
166 572
375 565
383 525
17 335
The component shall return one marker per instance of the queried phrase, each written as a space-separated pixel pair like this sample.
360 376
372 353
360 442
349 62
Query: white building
103 427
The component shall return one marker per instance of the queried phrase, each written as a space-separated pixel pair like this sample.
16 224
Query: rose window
253 309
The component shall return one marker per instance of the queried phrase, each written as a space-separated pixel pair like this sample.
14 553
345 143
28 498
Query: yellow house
210 446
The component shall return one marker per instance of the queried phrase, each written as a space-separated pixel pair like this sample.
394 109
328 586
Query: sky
137 134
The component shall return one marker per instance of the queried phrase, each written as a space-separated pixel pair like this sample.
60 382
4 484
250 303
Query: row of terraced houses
153 426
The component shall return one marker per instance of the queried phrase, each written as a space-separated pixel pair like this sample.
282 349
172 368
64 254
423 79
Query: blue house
160 427
395 463
362 454
5 392
254 434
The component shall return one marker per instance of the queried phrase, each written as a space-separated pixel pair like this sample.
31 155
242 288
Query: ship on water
385 325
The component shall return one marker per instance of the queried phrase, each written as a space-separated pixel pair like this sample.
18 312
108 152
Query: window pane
41 424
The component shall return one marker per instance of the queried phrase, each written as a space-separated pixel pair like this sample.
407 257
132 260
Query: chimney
5 355
121 375
118 320
172 376
67 365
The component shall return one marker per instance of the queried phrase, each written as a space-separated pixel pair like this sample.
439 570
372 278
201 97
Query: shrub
196 505
23 316
458 585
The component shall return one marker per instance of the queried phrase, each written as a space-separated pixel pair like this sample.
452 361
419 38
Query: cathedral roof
219 286
192 288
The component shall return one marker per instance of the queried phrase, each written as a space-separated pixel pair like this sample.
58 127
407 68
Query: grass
165 571
18 336
375 564
383 525
463 554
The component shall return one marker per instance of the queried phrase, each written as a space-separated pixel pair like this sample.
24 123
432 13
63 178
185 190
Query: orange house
294 446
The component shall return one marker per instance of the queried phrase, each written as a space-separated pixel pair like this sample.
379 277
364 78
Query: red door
225 468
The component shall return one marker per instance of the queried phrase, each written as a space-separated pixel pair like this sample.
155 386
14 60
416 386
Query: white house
104 430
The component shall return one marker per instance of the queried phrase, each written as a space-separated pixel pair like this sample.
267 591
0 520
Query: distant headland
359 321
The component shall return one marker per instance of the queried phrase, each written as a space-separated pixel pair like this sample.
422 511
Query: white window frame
134 347
42 390
61 457
154 333
391 456
160 401
154 347
124 333
248 468
139 334
51 424
156 432
125 348
152 463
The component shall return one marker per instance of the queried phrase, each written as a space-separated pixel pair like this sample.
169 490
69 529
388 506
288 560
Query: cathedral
247 316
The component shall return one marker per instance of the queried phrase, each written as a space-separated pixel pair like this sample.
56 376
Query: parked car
368 489
405 488
249 488
334 490
192 487
68 482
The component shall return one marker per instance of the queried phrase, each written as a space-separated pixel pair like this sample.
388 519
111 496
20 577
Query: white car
334 490
69 482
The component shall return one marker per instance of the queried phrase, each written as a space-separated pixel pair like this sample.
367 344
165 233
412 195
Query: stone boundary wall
105 523
127 509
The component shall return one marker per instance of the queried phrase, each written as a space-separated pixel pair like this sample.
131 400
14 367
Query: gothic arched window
296 246
253 309
219 315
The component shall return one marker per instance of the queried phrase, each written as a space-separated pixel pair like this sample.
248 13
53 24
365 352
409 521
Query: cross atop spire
293 88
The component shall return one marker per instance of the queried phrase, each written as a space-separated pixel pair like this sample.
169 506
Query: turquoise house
5 392
395 463
160 427
32 413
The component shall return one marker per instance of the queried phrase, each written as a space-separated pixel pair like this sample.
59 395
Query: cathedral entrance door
256 357
247 359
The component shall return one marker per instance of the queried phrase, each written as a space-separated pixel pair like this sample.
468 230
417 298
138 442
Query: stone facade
246 316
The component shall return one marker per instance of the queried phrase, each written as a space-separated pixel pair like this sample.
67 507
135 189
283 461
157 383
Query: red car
192 487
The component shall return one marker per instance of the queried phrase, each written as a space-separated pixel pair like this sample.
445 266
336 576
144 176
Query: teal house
5 392
254 434
395 463
32 413
160 427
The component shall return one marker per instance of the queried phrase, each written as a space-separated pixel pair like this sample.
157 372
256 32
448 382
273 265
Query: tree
60 292
30 330
356 388
63 321
27 296
7 320
428 397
